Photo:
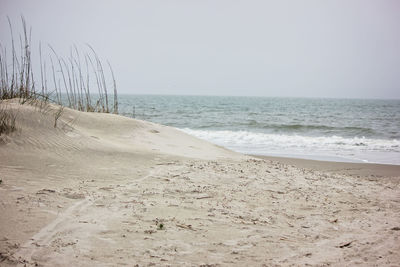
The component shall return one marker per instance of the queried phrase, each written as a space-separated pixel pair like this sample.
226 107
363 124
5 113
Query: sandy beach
106 190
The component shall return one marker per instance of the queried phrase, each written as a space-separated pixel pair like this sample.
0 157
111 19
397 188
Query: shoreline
368 170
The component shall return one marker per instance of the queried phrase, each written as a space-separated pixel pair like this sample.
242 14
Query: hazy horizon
266 96
311 49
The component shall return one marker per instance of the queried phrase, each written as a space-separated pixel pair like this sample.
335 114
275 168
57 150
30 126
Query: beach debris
66 244
208 265
185 226
346 244
166 163
396 228
106 188
160 226
45 191
149 232
203 196
290 225
74 195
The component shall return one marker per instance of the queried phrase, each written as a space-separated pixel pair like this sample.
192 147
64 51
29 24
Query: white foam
357 148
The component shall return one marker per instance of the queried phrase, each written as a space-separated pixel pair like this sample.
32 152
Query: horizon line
262 96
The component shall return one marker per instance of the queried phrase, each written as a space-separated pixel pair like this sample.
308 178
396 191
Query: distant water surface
327 129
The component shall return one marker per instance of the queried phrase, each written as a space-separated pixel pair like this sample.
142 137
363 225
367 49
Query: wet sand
368 170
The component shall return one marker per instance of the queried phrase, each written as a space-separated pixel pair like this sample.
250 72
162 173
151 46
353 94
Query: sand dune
99 131
105 190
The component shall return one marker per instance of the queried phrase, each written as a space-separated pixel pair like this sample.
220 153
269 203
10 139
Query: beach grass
7 120
66 81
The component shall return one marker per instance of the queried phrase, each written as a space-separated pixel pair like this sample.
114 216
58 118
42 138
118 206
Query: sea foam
356 148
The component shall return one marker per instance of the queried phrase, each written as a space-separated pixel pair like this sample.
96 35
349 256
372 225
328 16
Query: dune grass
7 120
64 81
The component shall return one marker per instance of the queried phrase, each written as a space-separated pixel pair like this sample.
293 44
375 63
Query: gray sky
340 48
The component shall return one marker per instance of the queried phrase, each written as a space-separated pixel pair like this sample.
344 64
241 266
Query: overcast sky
340 48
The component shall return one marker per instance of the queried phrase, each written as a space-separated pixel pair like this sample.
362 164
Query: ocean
348 130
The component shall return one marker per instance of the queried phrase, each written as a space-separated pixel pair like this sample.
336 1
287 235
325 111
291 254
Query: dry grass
7 120
71 78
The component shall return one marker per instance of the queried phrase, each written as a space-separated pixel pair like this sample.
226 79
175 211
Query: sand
105 190
359 170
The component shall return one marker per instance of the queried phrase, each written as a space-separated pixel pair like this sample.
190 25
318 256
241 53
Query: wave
265 143
253 138
317 127
290 128
293 128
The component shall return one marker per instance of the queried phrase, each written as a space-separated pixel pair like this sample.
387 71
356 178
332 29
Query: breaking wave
360 148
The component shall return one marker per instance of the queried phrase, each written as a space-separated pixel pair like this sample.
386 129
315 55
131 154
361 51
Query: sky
341 48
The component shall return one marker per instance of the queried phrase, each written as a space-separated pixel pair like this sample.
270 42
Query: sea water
357 130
